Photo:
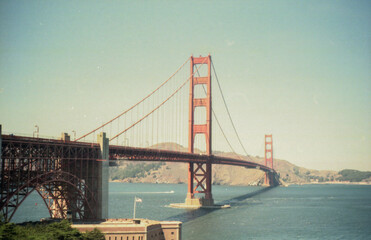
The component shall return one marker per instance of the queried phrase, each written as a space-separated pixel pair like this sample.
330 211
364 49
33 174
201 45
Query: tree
94 235
43 231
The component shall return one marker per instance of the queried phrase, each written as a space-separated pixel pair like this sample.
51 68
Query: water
295 212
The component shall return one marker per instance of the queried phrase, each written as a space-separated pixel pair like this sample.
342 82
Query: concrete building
137 229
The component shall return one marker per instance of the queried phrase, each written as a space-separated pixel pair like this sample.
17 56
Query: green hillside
353 175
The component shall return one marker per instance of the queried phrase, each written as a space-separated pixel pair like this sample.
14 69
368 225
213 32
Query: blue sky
297 69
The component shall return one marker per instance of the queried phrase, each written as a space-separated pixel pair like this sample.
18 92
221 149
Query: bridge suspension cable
145 125
227 109
157 126
135 105
217 121
156 108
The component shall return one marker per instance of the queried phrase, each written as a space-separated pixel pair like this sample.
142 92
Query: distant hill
150 172
354 175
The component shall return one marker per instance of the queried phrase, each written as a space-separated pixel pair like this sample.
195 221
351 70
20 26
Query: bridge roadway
148 154
138 154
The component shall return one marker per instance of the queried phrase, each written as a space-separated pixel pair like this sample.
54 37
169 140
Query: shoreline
285 185
331 183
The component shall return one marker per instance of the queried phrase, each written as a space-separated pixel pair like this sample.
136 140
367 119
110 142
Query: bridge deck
141 154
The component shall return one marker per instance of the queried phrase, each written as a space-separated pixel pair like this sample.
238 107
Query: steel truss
63 173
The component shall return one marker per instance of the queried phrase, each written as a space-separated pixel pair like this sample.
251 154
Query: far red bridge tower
268 159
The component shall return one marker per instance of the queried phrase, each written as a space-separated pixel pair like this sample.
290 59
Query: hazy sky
300 70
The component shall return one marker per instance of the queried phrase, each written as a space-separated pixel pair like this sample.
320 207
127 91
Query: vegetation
133 170
44 231
296 171
353 175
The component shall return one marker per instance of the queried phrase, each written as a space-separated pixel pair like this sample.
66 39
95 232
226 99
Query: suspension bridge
71 175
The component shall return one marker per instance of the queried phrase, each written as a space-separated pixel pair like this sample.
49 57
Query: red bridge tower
268 159
199 174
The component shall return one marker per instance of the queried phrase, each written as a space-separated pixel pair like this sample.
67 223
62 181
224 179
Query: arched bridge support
70 177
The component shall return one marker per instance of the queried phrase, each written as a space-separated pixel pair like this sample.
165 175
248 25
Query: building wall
172 230
146 230
123 236
154 232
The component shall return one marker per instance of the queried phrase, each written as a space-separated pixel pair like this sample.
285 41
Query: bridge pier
103 176
204 183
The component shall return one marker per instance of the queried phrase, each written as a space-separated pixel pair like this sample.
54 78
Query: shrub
43 231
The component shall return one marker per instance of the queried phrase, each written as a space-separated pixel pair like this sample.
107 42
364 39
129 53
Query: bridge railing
17 134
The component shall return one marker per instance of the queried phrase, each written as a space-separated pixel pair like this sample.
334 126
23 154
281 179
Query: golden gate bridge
71 175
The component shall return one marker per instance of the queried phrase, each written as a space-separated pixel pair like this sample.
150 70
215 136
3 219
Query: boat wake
168 192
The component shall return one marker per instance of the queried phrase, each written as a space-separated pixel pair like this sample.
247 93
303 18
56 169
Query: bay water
294 212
